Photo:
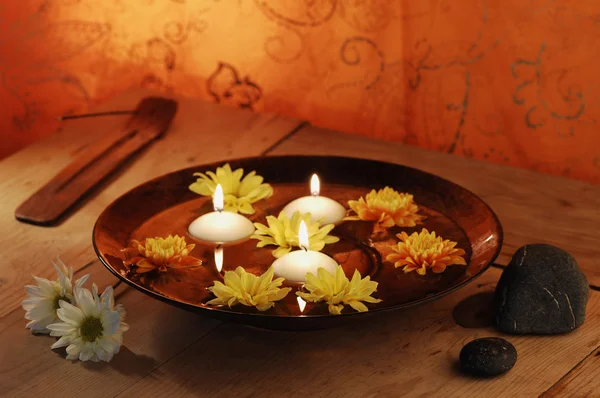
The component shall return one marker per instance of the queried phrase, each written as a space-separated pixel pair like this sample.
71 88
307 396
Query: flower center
57 299
91 329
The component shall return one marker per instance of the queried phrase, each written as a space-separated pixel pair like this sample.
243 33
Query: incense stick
83 115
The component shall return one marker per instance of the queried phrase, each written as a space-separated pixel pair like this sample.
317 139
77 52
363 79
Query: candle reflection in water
219 258
301 303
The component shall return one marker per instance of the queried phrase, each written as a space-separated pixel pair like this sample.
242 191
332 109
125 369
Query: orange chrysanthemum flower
424 250
387 208
160 253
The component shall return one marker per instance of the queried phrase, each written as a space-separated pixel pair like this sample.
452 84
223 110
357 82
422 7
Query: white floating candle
294 265
221 226
318 206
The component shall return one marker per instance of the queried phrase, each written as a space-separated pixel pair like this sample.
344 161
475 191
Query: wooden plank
201 132
532 207
172 353
409 353
151 119
582 381
157 333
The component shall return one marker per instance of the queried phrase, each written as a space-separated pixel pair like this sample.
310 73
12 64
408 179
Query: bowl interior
166 206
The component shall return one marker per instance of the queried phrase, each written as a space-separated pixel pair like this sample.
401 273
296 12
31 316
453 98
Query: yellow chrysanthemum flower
241 287
336 290
283 232
160 253
424 250
239 193
387 208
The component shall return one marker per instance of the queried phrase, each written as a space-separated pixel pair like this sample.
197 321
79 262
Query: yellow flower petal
263 230
241 287
250 184
280 293
244 206
233 280
316 246
358 306
336 290
239 194
335 309
283 232
281 251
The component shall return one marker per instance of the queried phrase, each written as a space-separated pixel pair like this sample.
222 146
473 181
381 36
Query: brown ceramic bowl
166 206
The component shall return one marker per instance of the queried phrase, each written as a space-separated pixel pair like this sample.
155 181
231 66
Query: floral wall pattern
511 82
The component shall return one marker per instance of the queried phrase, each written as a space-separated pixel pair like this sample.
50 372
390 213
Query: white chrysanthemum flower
92 329
43 300
108 298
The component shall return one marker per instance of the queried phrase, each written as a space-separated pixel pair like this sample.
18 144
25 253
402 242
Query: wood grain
49 204
201 132
409 353
158 332
533 208
582 381
169 352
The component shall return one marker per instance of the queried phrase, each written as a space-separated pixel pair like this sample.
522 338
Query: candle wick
304 248
315 194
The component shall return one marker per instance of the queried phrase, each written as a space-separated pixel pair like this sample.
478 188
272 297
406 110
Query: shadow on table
391 352
126 362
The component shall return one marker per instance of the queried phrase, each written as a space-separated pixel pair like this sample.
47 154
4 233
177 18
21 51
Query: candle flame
219 258
218 202
315 185
301 304
303 236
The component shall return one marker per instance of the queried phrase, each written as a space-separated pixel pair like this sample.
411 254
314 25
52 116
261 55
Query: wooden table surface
171 353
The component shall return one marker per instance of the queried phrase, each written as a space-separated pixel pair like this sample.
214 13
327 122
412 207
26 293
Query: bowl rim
217 312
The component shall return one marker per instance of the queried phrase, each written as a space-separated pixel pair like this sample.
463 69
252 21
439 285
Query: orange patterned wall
510 81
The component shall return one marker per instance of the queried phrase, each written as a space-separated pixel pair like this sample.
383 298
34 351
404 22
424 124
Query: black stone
542 291
490 356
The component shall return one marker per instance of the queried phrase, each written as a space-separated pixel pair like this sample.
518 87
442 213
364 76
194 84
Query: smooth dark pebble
490 356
